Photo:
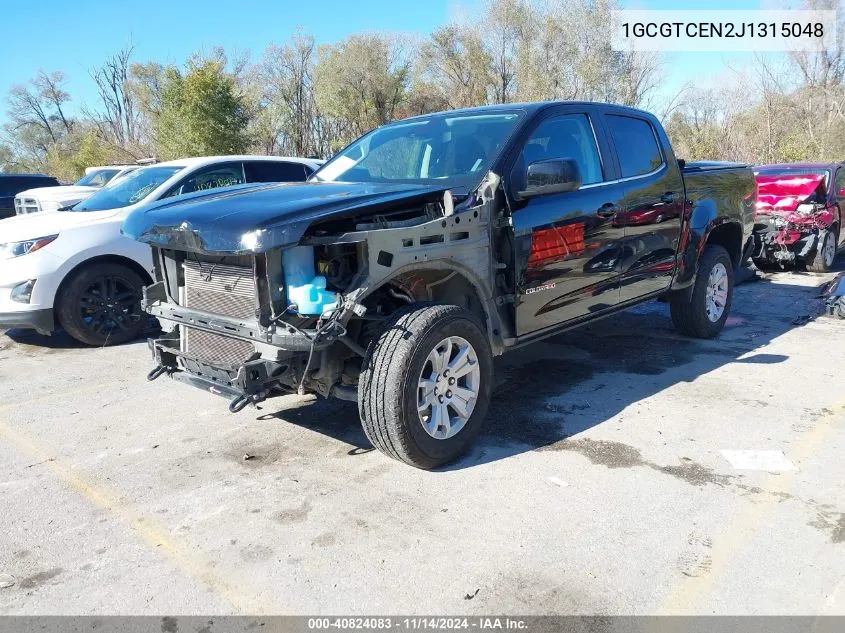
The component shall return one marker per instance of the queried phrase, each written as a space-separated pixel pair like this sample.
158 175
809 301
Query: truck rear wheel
425 385
701 311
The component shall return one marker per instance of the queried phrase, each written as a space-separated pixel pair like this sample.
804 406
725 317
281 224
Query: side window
212 177
274 171
839 183
636 145
566 136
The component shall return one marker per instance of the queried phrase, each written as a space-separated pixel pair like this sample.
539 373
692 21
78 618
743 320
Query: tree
118 119
505 26
83 147
361 83
200 112
36 113
293 124
454 63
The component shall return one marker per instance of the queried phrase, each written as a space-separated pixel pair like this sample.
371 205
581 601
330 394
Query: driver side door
567 246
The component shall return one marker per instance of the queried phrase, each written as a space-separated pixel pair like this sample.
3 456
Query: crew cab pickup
428 246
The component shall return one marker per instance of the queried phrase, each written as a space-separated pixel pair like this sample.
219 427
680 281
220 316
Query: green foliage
80 150
361 81
201 113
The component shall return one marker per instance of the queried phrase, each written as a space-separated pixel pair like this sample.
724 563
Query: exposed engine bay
299 317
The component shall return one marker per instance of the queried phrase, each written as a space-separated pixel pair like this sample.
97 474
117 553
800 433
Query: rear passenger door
566 244
275 171
652 205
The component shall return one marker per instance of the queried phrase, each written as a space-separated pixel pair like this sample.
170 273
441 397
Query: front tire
101 305
425 385
825 254
701 311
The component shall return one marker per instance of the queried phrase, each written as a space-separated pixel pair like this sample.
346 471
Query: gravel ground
600 485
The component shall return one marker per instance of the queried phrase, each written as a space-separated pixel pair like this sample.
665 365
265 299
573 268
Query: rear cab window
636 145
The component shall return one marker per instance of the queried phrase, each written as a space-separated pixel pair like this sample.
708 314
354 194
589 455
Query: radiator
219 289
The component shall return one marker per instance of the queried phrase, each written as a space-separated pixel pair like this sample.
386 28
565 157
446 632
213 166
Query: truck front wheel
425 385
701 311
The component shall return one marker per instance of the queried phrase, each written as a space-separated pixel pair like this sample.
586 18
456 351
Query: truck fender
482 291
704 220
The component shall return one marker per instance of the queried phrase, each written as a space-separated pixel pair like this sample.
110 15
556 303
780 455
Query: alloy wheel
716 296
109 305
448 387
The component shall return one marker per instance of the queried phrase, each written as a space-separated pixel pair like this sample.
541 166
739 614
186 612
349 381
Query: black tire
389 391
818 262
689 307
101 305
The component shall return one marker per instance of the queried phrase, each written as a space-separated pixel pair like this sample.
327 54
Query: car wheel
425 385
822 260
701 311
101 305
659 219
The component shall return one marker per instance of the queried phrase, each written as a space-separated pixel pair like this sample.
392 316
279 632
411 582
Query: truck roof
532 107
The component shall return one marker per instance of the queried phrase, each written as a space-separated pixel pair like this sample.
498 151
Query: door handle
608 210
668 198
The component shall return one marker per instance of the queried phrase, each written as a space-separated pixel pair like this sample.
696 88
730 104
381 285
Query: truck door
566 245
652 207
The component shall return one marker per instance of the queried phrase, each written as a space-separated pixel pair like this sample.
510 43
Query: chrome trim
654 172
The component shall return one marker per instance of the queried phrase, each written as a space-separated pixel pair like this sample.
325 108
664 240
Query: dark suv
12 184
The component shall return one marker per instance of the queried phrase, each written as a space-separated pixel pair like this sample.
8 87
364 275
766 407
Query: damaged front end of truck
794 219
277 289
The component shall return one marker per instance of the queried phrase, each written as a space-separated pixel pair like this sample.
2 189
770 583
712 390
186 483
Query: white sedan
74 269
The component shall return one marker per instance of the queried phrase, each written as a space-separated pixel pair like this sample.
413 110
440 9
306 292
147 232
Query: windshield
455 149
127 190
97 178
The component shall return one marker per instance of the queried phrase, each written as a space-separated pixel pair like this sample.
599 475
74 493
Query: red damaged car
798 214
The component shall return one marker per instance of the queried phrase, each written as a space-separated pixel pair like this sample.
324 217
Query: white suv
54 198
74 269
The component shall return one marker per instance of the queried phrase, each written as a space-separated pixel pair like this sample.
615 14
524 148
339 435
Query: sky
75 36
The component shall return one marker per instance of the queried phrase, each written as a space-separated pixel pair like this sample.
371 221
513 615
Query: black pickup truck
427 247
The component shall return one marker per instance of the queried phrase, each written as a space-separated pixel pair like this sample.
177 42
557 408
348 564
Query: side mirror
555 175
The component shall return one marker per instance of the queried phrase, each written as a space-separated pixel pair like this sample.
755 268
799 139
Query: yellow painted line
145 527
691 591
